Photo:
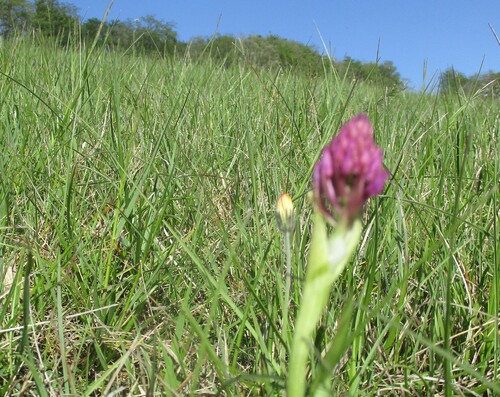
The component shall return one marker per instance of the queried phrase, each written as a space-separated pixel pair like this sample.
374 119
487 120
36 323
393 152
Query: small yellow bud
285 214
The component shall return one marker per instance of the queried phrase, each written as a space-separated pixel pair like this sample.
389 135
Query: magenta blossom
349 171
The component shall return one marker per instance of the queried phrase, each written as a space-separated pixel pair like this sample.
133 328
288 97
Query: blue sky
411 34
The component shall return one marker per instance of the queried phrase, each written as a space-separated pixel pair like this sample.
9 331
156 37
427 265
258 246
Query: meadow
140 254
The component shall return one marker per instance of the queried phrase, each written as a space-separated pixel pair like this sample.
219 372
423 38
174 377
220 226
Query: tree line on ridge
148 35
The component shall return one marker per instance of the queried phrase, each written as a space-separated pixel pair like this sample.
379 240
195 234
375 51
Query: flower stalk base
328 257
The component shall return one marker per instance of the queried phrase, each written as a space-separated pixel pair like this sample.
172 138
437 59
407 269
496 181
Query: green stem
288 282
309 314
327 258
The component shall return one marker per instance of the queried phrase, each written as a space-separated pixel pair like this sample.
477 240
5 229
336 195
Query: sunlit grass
137 203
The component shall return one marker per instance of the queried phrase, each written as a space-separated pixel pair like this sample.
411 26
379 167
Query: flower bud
285 214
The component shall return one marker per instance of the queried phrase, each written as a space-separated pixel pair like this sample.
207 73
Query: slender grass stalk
61 328
288 282
285 216
450 271
26 302
286 299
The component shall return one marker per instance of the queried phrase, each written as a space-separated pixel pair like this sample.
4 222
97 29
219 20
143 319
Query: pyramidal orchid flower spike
348 173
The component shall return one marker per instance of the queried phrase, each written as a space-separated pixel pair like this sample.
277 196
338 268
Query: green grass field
140 255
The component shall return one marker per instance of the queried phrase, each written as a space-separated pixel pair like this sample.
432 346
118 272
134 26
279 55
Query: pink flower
349 171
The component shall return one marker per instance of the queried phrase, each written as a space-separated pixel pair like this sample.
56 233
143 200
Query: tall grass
139 251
